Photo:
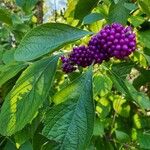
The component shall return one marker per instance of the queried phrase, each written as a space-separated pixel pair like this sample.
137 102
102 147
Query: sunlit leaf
47 38
27 96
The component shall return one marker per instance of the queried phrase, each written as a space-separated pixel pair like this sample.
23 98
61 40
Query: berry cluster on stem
113 40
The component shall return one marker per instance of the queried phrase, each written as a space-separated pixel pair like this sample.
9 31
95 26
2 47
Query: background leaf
129 91
144 37
102 85
84 8
144 4
118 12
5 16
122 136
91 18
143 139
26 5
123 68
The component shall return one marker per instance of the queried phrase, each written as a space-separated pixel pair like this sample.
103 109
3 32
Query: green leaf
147 51
8 56
51 145
144 5
143 139
26 146
140 98
120 106
102 85
10 146
84 8
144 37
98 128
123 68
122 136
129 91
136 20
47 38
118 13
130 6
38 140
27 132
146 54
9 71
142 79
26 5
103 108
30 90
91 18
116 1
73 119
5 16
119 83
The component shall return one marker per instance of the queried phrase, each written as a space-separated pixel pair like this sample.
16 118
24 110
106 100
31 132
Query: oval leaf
24 100
71 122
47 38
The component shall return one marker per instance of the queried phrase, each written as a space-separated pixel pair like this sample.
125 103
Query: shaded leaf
143 139
73 119
5 16
84 8
144 37
142 79
10 146
123 68
140 98
9 71
26 146
26 5
122 136
51 145
118 12
129 91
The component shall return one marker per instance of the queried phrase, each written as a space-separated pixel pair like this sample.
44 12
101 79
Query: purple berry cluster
112 41
116 40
